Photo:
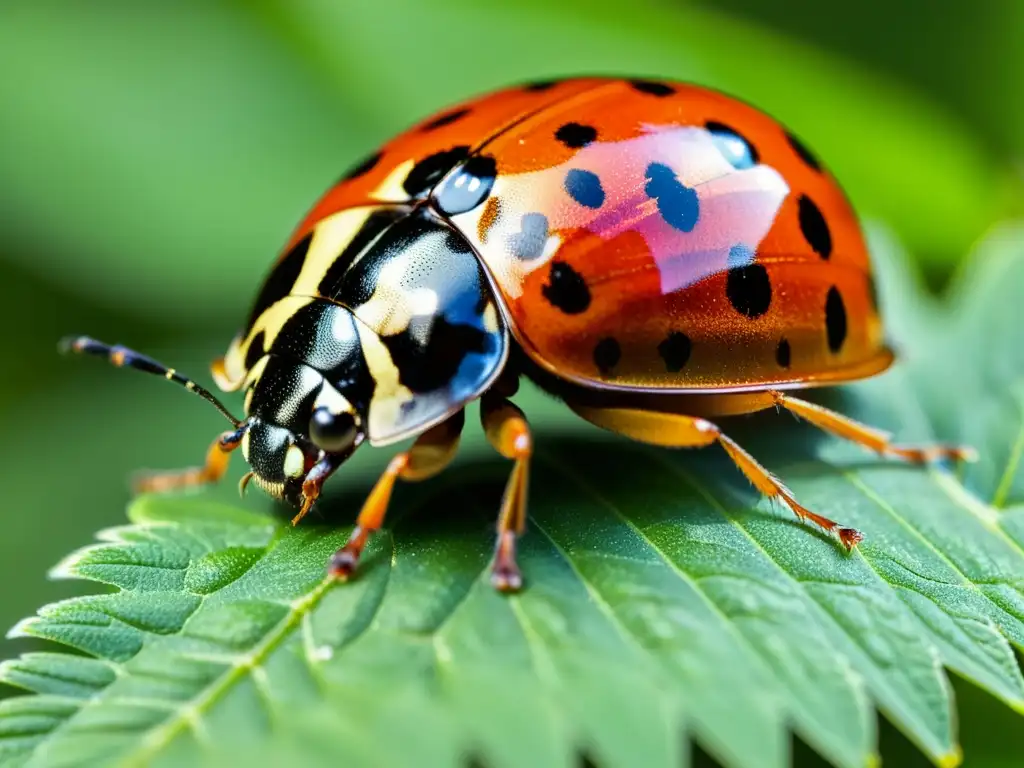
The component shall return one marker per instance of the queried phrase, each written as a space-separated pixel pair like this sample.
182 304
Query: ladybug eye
332 432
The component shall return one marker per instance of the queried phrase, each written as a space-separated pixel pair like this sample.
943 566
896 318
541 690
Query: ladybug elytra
654 253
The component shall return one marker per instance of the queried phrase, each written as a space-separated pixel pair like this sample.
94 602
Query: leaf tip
5 669
65 569
24 628
951 759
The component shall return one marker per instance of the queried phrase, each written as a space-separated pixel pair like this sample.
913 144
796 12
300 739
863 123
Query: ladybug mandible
655 254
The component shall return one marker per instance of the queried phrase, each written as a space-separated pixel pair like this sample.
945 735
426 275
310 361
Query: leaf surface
664 598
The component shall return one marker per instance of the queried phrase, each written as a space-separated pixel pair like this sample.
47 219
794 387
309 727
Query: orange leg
507 430
678 431
874 439
313 483
431 453
216 465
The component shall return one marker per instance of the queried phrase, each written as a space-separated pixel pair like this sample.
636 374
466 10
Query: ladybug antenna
124 357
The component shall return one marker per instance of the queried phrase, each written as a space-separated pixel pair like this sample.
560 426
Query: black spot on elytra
652 87
815 230
675 351
281 279
431 169
431 366
607 353
446 119
749 290
835 319
528 243
255 351
678 204
783 353
585 188
801 149
734 147
468 186
576 135
566 289
362 168
540 85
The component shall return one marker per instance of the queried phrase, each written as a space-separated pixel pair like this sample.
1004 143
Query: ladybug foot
505 573
850 537
343 562
506 578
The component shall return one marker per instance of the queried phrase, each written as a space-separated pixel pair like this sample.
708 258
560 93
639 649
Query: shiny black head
298 418
300 429
282 460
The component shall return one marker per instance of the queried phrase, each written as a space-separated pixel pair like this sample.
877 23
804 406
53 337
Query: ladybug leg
678 431
312 484
217 459
874 439
507 430
431 453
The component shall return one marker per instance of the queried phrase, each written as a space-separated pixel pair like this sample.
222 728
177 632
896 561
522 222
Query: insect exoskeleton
656 254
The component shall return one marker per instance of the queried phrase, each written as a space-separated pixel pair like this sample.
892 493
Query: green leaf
664 598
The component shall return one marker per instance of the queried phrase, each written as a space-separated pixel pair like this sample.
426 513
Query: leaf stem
191 714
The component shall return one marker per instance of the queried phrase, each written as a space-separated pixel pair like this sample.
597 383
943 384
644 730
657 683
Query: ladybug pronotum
653 253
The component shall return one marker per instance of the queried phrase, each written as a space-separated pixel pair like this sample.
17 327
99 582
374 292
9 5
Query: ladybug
655 254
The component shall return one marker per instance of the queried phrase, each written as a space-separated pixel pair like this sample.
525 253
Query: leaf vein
1002 492
190 715
887 508
727 622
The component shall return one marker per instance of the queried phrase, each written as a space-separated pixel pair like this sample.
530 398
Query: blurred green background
154 156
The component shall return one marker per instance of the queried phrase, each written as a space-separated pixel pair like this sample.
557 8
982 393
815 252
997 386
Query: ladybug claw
507 578
965 453
343 564
505 574
850 537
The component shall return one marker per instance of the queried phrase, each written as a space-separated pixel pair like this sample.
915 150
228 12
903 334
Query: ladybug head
288 462
284 463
